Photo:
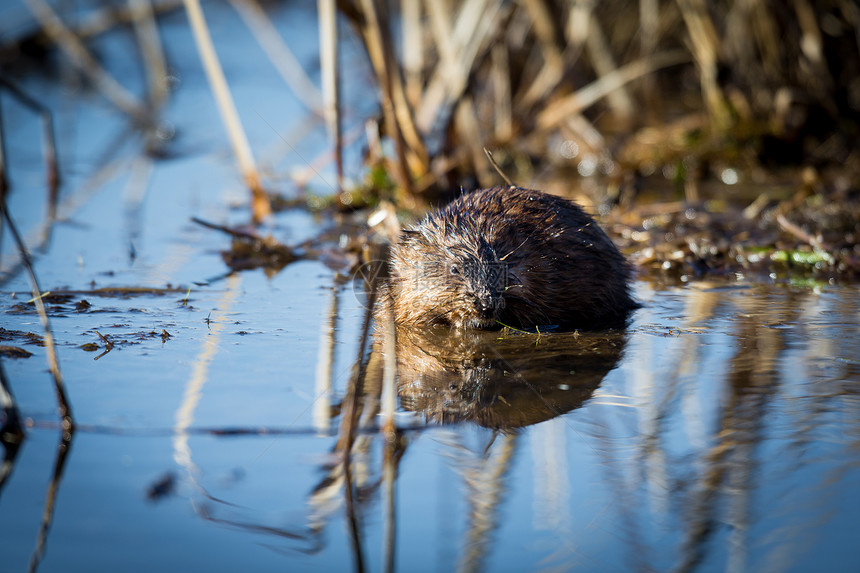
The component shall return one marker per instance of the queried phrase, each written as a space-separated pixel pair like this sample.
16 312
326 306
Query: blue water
740 421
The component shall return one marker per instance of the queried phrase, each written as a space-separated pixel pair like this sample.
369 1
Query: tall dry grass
520 77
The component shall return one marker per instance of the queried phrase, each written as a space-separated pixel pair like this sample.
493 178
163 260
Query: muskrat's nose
487 304
484 304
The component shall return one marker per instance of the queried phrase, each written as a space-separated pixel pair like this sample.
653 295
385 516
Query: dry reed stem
503 125
146 30
64 406
649 24
600 54
390 461
389 479
382 61
815 242
322 413
104 19
753 40
556 113
330 70
81 58
706 44
469 130
496 166
578 23
4 179
49 148
351 415
413 53
768 41
260 205
11 432
279 53
810 40
380 33
459 47
51 499
388 404
418 158
551 71
649 27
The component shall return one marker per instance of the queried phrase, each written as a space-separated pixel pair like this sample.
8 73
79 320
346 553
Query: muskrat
509 256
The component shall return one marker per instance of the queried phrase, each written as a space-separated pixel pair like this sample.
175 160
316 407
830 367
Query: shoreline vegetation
714 138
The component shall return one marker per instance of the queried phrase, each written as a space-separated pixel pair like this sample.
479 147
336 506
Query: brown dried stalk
556 113
84 61
260 204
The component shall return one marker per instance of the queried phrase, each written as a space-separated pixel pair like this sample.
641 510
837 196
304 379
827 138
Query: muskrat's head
443 271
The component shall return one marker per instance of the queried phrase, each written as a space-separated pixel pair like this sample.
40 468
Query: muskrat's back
509 256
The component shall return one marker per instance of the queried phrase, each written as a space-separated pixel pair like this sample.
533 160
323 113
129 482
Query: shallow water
725 436
720 431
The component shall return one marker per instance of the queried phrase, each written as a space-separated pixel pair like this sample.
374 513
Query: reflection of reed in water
730 466
723 388
485 479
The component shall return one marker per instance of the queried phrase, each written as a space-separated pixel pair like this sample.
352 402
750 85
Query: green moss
800 257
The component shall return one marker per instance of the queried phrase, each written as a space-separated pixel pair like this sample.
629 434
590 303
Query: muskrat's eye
455 270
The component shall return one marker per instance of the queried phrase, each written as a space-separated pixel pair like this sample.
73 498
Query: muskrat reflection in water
509 256
500 383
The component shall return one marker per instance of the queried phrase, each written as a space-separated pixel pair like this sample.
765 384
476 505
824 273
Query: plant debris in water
248 250
813 233
19 335
14 351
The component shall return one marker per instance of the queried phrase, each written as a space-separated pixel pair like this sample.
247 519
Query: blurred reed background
623 87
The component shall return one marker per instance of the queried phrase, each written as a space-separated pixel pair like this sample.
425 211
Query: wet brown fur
511 256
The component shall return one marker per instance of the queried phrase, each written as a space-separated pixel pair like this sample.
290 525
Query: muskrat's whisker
517 247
